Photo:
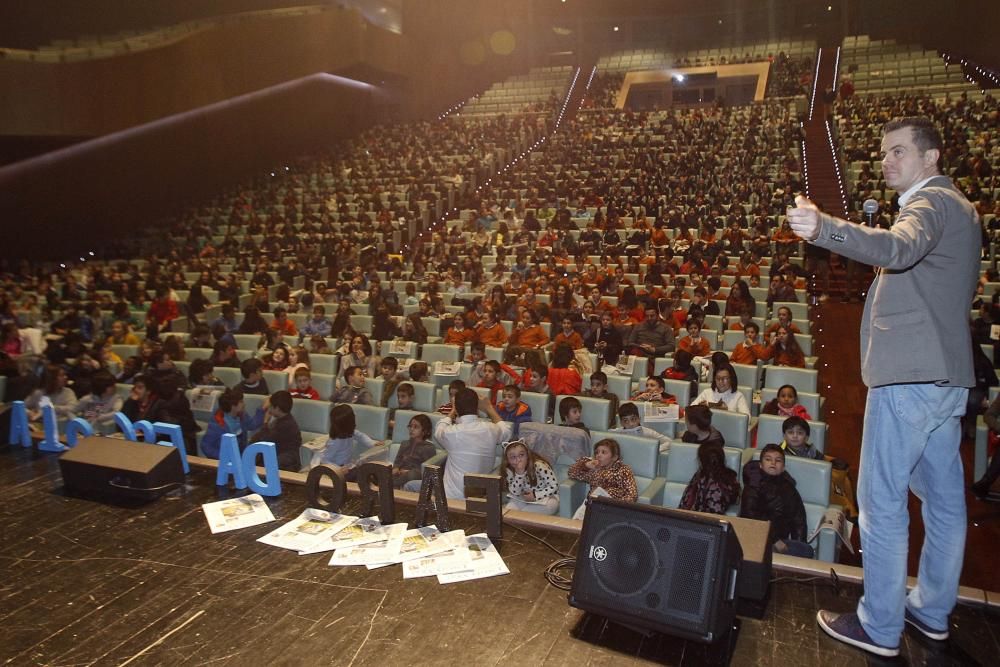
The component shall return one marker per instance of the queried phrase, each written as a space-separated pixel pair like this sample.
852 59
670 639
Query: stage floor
86 583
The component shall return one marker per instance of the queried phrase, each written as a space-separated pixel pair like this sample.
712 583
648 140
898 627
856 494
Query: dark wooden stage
86 583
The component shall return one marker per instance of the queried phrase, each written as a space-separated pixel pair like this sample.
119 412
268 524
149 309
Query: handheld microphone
870 208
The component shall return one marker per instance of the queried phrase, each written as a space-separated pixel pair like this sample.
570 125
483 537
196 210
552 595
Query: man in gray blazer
916 359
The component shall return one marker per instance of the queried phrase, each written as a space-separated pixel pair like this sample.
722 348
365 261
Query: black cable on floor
552 572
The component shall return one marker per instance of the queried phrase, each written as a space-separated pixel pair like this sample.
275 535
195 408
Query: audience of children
345 440
699 429
571 413
769 494
100 405
723 394
528 480
354 391
413 451
605 473
512 409
231 417
785 404
599 389
628 415
281 428
714 487
302 385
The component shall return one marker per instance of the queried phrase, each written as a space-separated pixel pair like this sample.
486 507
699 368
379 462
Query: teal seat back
803 379
595 414
371 420
313 417
769 430
324 363
811 402
229 376
640 453
324 384
539 404
733 427
432 352
276 380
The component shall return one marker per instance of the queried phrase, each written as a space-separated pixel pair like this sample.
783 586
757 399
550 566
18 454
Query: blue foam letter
75 428
230 463
173 431
272 485
19 431
124 425
50 443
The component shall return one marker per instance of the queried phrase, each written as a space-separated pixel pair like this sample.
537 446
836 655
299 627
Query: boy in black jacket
769 494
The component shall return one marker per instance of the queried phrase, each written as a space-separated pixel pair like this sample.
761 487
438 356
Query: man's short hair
599 376
514 388
405 388
466 402
925 134
391 362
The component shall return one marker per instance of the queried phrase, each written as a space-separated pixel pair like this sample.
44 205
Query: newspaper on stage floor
418 543
236 513
483 561
312 528
453 560
387 543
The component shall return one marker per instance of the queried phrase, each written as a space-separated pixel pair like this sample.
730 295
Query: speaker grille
624 559
687 590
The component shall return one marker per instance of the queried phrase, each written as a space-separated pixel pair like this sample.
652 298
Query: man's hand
804 219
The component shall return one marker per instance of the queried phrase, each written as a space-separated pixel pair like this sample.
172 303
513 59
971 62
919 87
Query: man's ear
931 156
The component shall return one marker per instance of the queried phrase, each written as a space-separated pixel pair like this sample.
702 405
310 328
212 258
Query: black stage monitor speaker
657 569
120 469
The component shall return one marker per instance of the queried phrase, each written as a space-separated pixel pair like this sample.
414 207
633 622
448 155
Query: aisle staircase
825 183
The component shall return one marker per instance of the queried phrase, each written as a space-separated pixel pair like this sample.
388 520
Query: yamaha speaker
657 569
121 470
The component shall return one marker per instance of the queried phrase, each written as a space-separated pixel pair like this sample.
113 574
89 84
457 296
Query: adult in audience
470 442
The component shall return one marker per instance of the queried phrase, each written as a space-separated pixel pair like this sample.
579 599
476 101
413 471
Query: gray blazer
916 318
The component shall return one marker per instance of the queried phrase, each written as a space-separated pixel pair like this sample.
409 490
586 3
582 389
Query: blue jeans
911 440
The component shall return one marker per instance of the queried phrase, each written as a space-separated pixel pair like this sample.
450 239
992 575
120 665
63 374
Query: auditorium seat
402 421
432 352
733 426
803 379
313 417
539 404
324 363
596 412
680 466
247 341
229 376
769 431
324 384
276 380
640 453
813 403
371 420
